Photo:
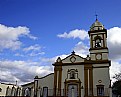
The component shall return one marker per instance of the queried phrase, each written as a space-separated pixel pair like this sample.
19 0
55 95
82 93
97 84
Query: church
75 76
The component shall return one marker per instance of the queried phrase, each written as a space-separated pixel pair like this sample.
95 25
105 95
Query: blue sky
32 34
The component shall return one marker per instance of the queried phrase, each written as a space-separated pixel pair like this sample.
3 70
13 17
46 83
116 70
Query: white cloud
22 71
81 49
114 35
10 44
114 43
36 53
82 34
53 59
9 36
114 69
33 50
32 37
7 76
35 47
20 55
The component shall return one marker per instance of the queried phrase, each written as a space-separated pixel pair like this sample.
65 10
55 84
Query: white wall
29 85
4 86
80 69
103 75
47 81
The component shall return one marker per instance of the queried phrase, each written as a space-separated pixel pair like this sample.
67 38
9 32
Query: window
72 75
45 91
0 90
100 90
97 41
27 91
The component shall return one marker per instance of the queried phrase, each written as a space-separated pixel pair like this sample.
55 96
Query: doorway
72 90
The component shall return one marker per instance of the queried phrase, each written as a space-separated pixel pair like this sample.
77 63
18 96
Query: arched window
18 91
0 90
13 91
72 75
27 92
45 91
8 91
98 42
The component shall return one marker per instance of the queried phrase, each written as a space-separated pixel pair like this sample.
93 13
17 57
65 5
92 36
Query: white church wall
3 89
101 77
97 51
28 86
92 57
80 69
98 65
4 86
104 56
47 81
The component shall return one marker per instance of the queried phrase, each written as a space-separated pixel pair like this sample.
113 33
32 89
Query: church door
72 91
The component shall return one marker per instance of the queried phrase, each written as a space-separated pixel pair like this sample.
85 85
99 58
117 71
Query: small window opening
98 43
100 91
72 75
0 90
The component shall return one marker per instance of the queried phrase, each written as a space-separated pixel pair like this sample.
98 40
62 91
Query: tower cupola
96 26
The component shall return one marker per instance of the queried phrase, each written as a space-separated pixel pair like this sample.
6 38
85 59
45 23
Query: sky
33 33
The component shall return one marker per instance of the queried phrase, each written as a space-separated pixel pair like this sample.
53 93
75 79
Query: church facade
75 76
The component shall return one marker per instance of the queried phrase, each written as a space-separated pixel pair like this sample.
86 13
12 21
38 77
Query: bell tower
98 42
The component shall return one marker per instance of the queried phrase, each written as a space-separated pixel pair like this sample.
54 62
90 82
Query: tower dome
96 26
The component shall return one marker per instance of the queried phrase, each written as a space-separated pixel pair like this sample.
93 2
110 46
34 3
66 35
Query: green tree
116 88
117 76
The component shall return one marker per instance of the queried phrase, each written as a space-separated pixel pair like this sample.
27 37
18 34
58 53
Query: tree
117 76
116 88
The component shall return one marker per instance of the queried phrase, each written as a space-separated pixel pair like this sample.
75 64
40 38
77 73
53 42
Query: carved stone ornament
100 81
58 60
98 56
72 59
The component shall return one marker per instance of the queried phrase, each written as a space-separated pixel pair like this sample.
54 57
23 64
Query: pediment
73 58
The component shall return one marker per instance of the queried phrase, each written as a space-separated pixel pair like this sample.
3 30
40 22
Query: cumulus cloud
114 35
33 50
22 71
9 36
35 47
77 33
53 59
81 49
114 42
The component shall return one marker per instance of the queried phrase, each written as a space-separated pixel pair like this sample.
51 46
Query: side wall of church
28 86
46 82
4 89
101 77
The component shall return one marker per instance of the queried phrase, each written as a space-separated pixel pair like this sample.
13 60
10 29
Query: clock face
98 56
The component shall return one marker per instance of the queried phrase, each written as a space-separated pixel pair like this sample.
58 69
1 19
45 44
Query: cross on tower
96 16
